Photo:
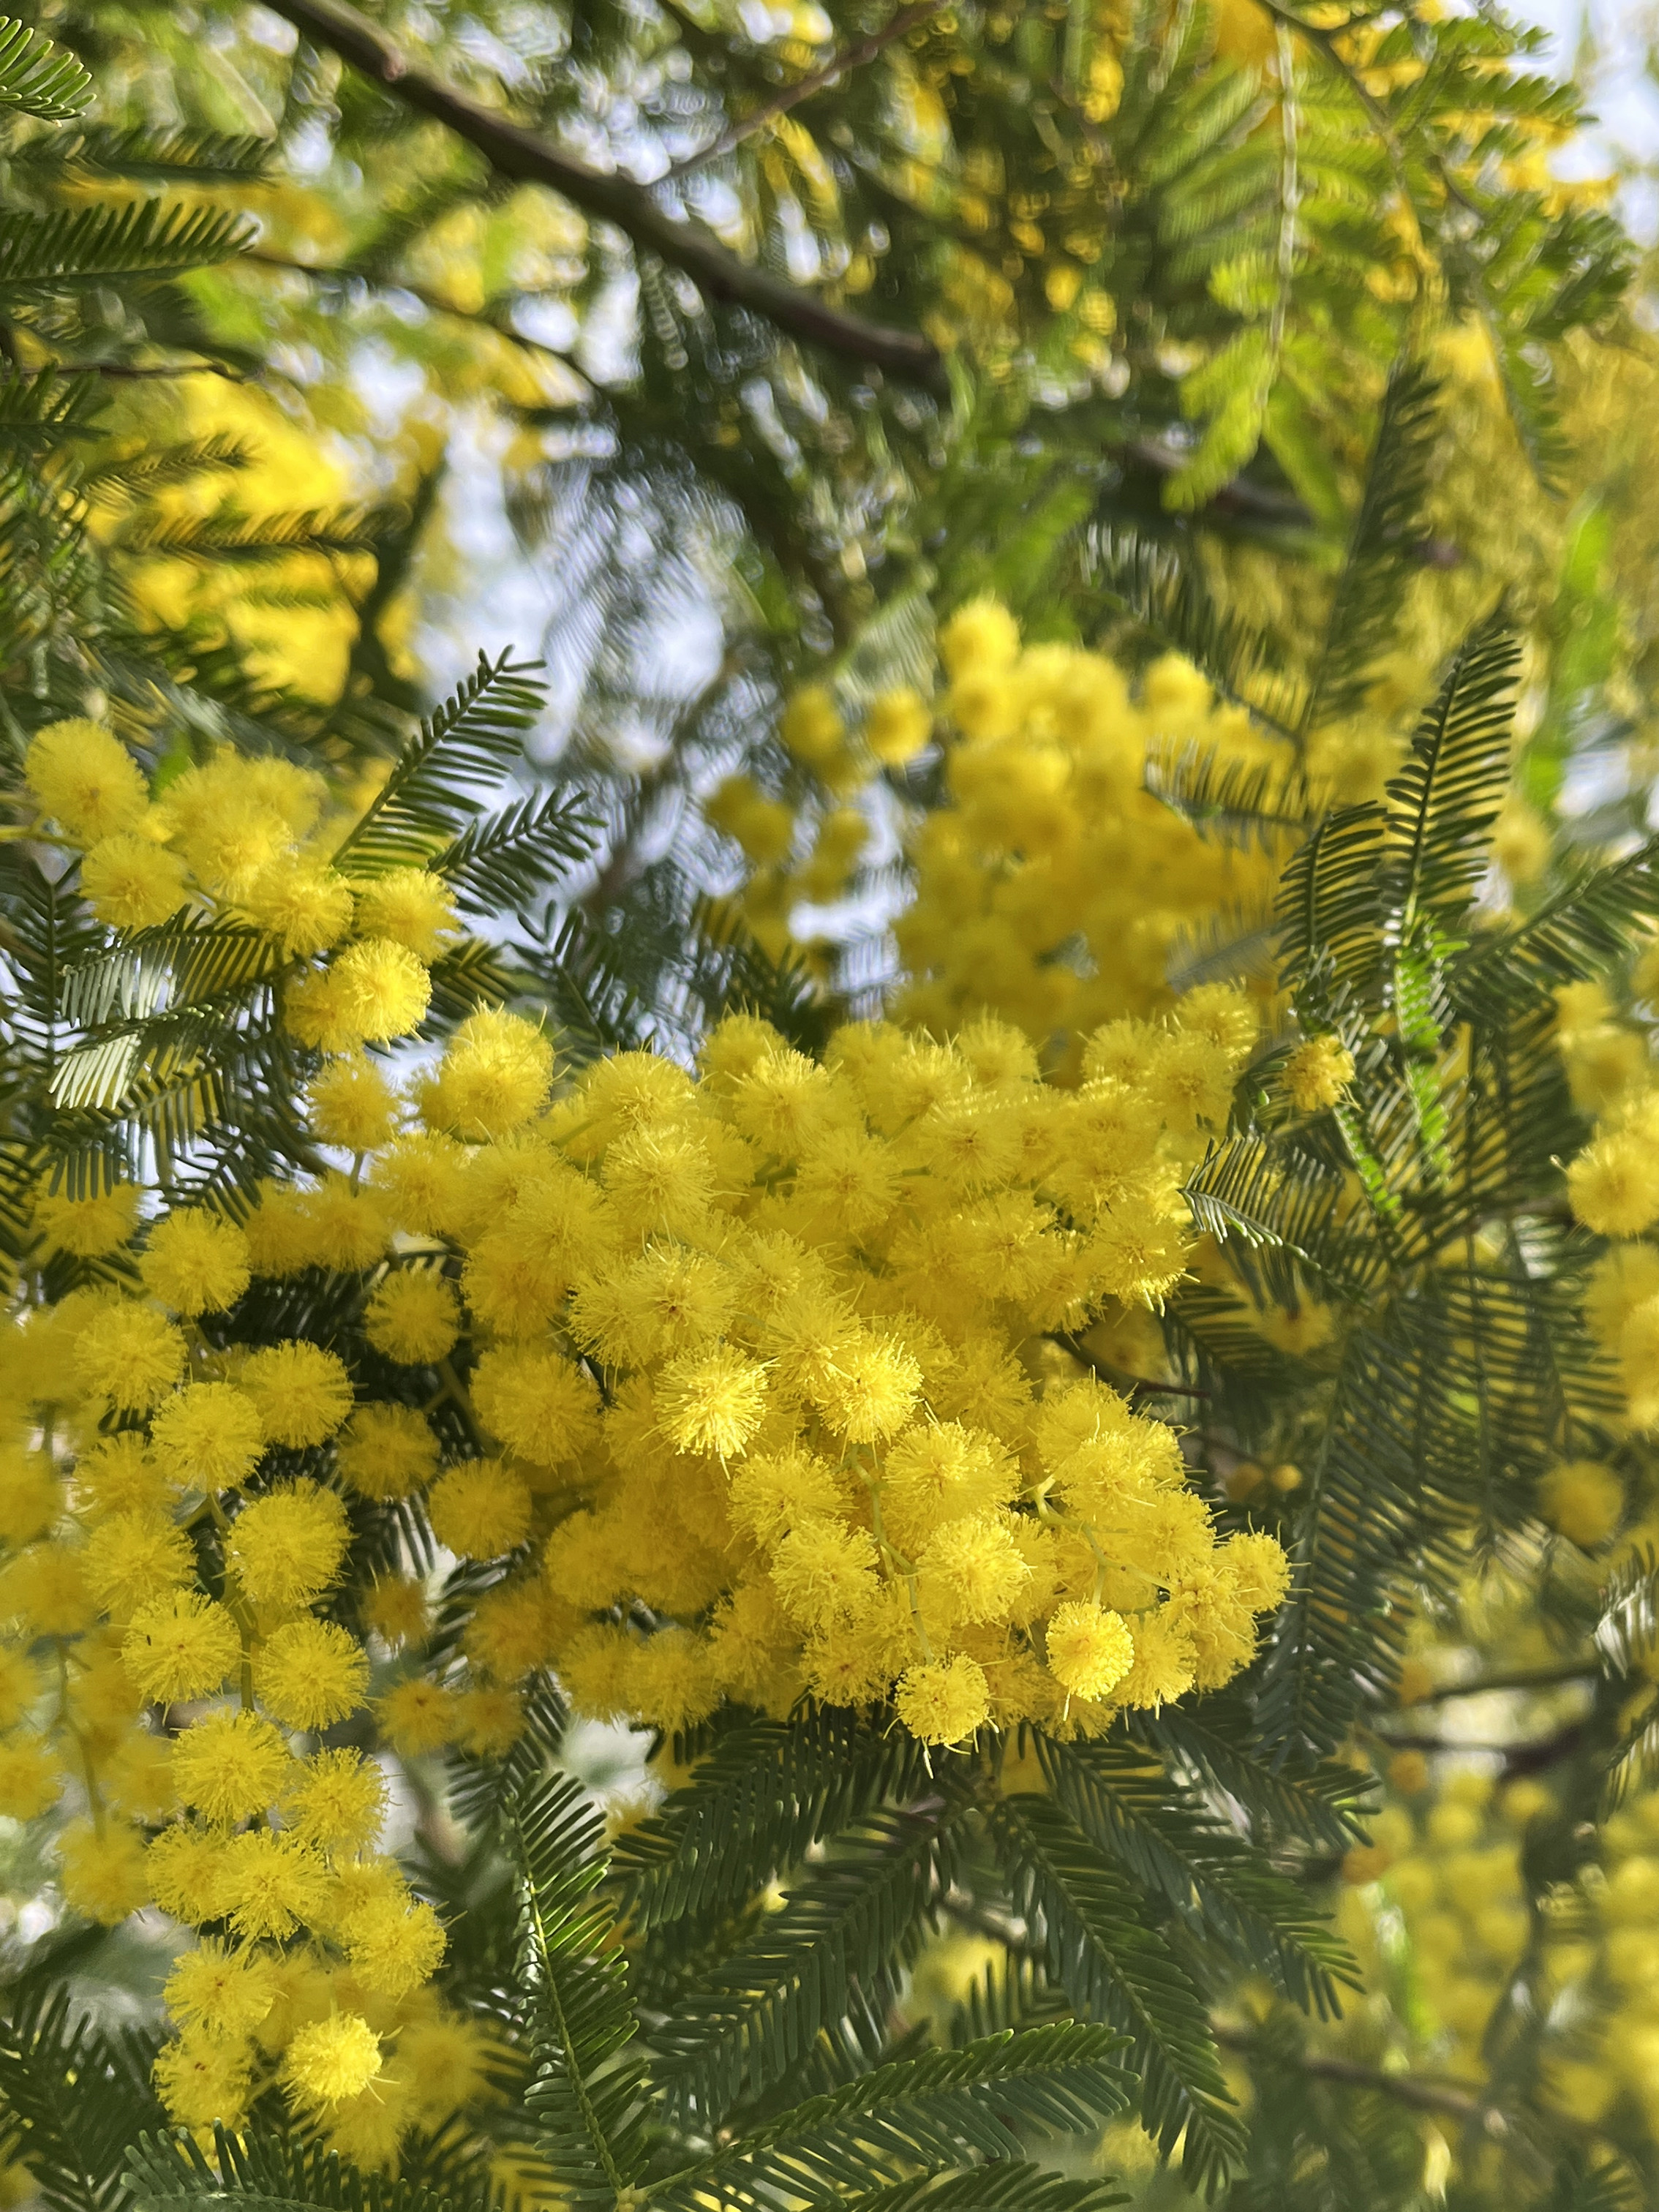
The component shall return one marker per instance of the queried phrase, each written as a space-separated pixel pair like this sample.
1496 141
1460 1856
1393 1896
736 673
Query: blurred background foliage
999 281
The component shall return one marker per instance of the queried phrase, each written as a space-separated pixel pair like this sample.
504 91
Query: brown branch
514 152
791 96
1517 1678
1420 2094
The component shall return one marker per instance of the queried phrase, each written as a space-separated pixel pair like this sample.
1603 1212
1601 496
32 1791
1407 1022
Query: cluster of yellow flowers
247 840
1051 885
1600 1969
1452 1871
1613 1185
149 1570
773 1347
1053 889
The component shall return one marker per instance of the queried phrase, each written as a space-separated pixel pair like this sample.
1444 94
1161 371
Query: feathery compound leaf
1594 2180
1125 1803
44 411
1235 802
438 782
988 2189
944 2108
1329 900
1324 1808
1166 595
1442 803
844 1935
1628 1630
1579 931
585 2094
502 863
93 246
1090 1923
71 2099
273 2173
177 156
39 77
1378 566
765 1794
244 540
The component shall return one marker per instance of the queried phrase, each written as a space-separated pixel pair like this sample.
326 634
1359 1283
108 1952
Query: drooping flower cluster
170 1653
773 1390
1052 886
1613 1186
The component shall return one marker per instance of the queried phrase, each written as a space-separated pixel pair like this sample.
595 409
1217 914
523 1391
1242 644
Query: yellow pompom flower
408 907
1584 1500
422 1178
981 637
230 1766
971 1569
104 1875
204 2080
131 1555
393 1948
89 1227
316 1009
943 1701
479 1510
300 1392
31 1779
332 2060
825 1572
543 1407
384 990
288 1547
1164 1661
811 726
352 1105
1317 1073
395 1608
196 1262
269 1886
1613 1185
31 1496
132 883
130 1354
84 778
898 726
418 1716
414 1316
337 1802
118 1474
310 1674
208 1433
1090 1650
493 1076
216 1990
305 907
712 1403
387 1452
874 1390
185 1867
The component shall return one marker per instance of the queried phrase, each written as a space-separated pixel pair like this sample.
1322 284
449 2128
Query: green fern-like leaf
39 77
1116 1967
83 248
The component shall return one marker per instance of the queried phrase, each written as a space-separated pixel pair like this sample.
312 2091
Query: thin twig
791 96
520 153
1422 2094
1517 1678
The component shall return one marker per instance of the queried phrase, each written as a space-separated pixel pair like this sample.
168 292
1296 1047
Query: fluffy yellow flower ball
84 778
